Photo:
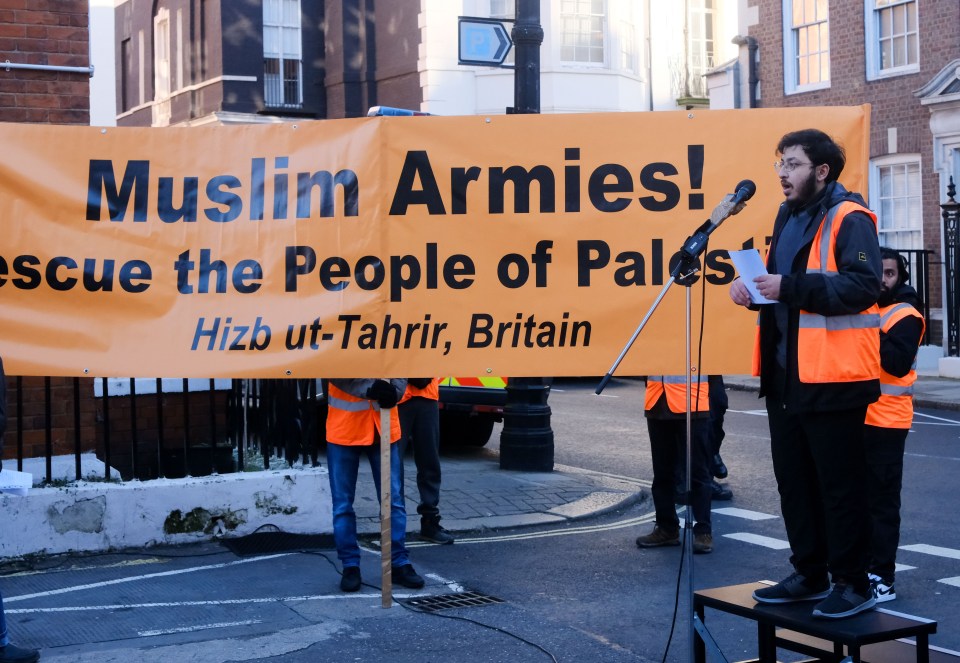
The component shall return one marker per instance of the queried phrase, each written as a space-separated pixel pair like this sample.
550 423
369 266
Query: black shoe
719 492
14 654
350 581
406 576
432 531
793 588
717 467
844 601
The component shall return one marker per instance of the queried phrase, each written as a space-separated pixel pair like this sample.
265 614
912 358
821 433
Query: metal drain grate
450 601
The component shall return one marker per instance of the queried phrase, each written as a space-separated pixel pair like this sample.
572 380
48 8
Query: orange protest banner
508 245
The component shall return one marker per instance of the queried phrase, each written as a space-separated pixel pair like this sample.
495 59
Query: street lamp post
526 442
951 264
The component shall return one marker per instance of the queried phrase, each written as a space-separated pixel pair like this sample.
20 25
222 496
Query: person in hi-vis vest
665 407
889 419
420 422
353 432
817 352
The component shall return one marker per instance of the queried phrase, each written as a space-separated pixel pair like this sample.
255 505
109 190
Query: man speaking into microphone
817 355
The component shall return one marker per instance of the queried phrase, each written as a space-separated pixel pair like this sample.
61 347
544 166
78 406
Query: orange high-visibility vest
431 391
833 348
353 421
675 387
895 407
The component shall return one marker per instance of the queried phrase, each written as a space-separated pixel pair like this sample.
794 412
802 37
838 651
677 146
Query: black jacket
854 289
898 346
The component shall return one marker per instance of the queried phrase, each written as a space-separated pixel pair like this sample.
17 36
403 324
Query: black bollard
526 442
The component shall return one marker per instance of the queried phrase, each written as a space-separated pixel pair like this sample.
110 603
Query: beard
806 190
887 297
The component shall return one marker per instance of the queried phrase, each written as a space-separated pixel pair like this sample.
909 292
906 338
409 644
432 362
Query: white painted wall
92 516
453 89
103 83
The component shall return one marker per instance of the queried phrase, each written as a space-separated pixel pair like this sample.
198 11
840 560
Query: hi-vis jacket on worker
831 289
902 327
353 415
675 387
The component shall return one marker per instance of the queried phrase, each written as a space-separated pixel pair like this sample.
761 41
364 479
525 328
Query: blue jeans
343 464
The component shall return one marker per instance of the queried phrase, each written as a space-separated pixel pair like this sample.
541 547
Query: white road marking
903 567
955 581
372 596
765 541
118 581
451 585
753 413
743 513
199 627
939 551
949 422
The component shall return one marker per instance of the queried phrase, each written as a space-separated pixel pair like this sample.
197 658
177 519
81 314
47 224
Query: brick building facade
889 55
50 41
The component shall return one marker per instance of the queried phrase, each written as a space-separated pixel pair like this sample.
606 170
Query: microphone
727 207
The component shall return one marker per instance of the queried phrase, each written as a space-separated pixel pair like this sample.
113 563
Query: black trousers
420 427
820 466
884 448
718 407
668 446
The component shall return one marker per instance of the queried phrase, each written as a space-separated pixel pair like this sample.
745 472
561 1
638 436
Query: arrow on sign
483 41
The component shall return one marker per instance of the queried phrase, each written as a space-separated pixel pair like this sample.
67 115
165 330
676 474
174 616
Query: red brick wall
892 100
44 32
54 33
31 392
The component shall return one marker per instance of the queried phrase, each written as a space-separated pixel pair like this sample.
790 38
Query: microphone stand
684 273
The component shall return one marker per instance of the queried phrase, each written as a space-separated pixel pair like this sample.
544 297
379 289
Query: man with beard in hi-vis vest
889 419
353 432
817 352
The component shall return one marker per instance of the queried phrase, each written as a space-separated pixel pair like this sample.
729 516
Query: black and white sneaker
883 591
844 601
795 587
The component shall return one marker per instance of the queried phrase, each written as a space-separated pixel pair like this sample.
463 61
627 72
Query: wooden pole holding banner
386 576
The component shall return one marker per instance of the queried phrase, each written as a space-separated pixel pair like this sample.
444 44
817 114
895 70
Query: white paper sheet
750 265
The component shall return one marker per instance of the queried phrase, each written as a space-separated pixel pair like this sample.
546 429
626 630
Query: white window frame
289 49
604 31
698 60
161 55
871 25
913 197
791 76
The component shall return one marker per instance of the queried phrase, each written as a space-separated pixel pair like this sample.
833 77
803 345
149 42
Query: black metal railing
919 264
163 429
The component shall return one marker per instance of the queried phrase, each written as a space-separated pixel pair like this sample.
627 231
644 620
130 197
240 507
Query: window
892 38
282 59
161 55
628 40
896 180
126 75
582 27
806 45
699 45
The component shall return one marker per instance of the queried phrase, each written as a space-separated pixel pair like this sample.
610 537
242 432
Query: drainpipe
753 80
46 67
